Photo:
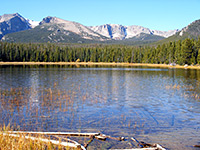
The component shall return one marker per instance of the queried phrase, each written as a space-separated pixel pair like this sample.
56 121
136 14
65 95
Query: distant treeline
180 52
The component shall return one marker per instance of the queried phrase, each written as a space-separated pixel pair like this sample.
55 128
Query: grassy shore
99 63
21 143
28 142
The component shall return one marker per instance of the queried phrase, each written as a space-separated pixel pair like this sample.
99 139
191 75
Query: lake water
154 105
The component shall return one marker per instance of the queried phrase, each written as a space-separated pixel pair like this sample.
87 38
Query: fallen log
135 140
74 144
67 140
197 146
147 146
91 139
55 133
96 135
65 144
158 147
116 138
138 149
104 137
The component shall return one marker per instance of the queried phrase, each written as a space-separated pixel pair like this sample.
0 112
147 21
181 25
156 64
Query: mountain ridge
191 31
16 28
72 27
55 30
121 32
116 32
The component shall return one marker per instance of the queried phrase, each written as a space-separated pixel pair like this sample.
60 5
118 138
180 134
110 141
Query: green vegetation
179 52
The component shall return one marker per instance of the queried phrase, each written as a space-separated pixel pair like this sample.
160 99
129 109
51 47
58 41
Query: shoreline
99 64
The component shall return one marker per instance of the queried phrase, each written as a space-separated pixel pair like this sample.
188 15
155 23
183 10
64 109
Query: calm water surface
151 104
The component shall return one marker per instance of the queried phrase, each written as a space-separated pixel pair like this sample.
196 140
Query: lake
155 105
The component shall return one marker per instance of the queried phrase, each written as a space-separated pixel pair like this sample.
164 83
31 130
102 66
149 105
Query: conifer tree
187 50
198 57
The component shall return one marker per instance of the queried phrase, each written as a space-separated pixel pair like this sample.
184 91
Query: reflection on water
155 105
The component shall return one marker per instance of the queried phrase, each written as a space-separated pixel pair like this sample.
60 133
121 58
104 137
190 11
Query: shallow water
151 104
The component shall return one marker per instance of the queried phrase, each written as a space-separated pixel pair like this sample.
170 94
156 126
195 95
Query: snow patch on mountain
32 23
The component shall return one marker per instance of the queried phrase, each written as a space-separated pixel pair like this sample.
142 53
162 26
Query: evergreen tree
177 55
187 50
198 57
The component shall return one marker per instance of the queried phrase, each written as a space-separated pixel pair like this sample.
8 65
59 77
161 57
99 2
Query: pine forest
178 52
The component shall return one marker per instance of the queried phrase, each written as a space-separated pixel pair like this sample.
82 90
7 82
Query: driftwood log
139 149
74 144
104 137
56 133
197 146
90 141
147 146
158 147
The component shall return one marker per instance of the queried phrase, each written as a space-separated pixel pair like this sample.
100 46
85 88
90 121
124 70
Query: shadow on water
155 105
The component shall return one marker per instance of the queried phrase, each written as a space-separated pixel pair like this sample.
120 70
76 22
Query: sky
154 14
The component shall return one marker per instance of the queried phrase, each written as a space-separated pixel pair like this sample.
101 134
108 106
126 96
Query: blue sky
154 14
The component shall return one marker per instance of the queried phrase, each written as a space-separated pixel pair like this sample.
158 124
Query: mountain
74 27
15 28
145 37
10 23
53 29
190 31
139 39
120 32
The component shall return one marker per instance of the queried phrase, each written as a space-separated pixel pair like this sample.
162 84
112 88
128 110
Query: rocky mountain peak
48 19
192 29
65 25
7 17
113 31
120 32
10 23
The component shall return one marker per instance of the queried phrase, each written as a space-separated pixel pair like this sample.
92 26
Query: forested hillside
180 52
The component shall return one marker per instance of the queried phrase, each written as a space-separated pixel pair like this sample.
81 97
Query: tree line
180 52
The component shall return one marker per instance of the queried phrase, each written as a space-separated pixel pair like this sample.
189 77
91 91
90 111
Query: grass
100 64
190 91
19 142
10 143
19 97
27 141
